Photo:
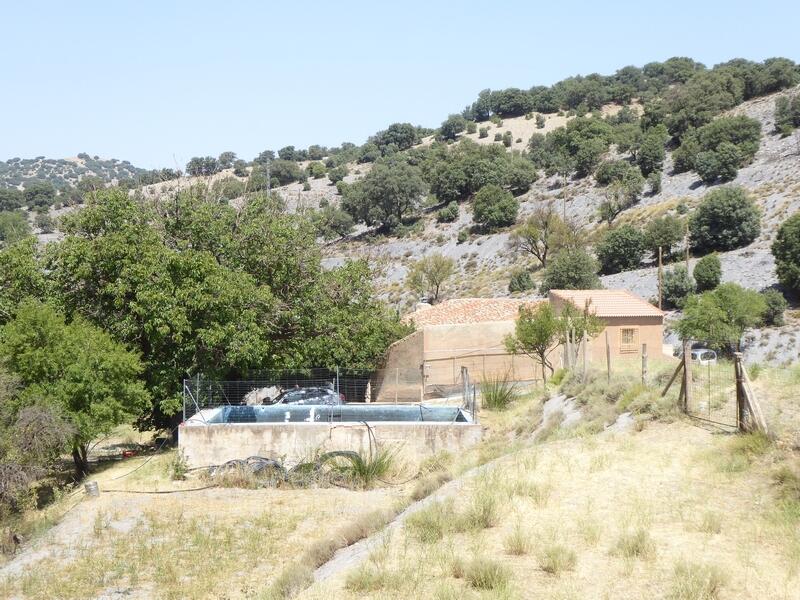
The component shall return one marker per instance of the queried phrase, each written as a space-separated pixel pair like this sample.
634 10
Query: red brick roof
609 303
468 310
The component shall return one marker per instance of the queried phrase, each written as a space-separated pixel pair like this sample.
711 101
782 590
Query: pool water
287 413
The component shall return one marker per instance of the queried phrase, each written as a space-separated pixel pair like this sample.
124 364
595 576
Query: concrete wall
206 445
477 346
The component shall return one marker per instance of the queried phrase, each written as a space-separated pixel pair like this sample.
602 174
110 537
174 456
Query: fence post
644 364
687 375
741 411
396 382
608 357
184 401
584 342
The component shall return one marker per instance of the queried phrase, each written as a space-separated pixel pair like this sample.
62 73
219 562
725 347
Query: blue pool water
287 413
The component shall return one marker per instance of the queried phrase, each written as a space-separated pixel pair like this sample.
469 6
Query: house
470 332
629 321
463 332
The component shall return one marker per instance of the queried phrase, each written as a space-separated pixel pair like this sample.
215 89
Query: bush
448 214
316 170
664 232
726 219
485 574
494 207
611 170
520 281
676 286
497 393
786 250
696 582
654 182
539 121
707 273
570 270
44 222
621 249
483 132
472 127
498 137
452 126
337 174
463 236
776 306
556 558
722 163
507 139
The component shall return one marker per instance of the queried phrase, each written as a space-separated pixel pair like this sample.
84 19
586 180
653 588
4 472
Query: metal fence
354 385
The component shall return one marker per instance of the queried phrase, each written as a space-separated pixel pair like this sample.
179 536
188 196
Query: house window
629 339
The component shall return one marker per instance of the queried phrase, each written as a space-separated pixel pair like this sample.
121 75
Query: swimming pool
288 413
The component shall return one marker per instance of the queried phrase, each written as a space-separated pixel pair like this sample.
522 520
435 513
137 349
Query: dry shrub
556 558
429 484
711 522
518 542
635 544
483 573
294 578
696 582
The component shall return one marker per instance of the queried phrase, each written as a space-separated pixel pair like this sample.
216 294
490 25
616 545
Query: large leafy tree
494 207
621 249
389 192
727 218
543 234
428 275
571 269
78 368
720 317
786 249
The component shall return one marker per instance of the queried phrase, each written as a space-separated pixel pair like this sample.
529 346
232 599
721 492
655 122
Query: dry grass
696 582
635 544
556 558
518 542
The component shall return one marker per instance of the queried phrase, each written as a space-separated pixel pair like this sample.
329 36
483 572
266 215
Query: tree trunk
80 458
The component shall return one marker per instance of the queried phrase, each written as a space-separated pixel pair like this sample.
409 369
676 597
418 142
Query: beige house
469 332
630 321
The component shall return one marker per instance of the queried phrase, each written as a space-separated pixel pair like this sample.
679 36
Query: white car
704 356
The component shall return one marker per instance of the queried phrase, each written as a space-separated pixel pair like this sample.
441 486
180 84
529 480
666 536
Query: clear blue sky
148 81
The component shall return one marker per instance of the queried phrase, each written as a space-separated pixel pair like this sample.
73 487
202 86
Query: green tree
332 222
536 334
621 195
571 269
452 126
652 153
621 249
494 207
448 214
389 193
14 226
775 307
542 234
720 317
39 193
727 218
427 276
337 174
226 159
786 250
677 286
722 163
664 232
10 199
316 170
520 281
77 367
707 273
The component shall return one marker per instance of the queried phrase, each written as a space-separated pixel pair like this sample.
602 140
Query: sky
157 82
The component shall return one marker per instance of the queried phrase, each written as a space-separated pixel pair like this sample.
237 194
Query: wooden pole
687 247
644 364
608 357
396 382
660 275
687 375
741 409
585 343
672 379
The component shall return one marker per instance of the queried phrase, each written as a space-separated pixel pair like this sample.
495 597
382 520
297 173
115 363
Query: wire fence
713 396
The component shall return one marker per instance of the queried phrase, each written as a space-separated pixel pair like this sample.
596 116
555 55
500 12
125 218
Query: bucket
92 489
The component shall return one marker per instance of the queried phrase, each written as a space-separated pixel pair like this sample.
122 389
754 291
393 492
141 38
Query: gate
711 394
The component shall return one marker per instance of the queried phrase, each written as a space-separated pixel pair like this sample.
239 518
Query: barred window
629 339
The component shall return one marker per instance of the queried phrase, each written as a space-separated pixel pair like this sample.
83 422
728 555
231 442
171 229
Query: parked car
704 356
310 395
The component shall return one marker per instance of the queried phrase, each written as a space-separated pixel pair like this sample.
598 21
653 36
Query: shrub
676 286
483 132
727 218
696 582
463 236
316 170
337 174
494 207
654 182
306 187
556 558
497 392
776 306
570 270
707 273
635 544
539 121
722 163
518 542
448 214
665 233
611 170
364 471
292 580
498 137
452 126
507 139
472 127
621 249
786 250
486 574
521 281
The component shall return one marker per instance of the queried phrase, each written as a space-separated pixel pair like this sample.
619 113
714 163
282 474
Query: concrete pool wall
205 444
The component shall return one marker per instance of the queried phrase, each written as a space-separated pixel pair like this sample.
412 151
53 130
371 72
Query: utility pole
660 275
686 237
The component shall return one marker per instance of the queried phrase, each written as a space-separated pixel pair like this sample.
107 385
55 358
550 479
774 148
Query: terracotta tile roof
609 303
468 310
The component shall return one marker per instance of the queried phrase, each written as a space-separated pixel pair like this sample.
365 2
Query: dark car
310 395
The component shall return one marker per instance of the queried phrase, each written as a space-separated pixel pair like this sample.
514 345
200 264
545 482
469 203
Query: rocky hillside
65 173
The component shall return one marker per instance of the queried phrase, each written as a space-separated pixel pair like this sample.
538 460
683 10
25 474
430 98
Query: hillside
65 173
